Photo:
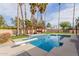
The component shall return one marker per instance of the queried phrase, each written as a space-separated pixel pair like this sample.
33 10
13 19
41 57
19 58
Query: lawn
18 38
57 33
24 36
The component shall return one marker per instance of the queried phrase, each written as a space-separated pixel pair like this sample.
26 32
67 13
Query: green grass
58 33
21 36
18 38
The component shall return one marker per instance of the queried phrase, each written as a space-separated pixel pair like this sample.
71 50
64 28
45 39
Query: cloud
65 15
9 10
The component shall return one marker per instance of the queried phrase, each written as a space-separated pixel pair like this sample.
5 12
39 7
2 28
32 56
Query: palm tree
58 16
42 8
77 25
2 21
28 24
33 10
21 18
73 16
18 21
24 18
25 11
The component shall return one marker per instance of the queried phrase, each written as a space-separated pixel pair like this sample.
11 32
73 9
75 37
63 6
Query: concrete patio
68 49
29 48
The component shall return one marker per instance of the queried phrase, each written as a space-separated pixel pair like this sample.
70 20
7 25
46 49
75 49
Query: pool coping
35 51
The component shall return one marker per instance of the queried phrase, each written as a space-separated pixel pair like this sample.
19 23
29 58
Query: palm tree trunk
58 17
18 22
25 17
32 22
76 28
41 20
44 25
44 18
59 21
73 16
37 22
22 23
25 11
41 17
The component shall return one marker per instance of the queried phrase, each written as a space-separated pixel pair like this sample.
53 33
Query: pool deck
19 50
68 49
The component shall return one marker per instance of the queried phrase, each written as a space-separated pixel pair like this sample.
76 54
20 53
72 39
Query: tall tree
14 21
42 8
48 25
2 21
59 6
22 19
65 25
33 11
18 21
41 24
28 24
73 16
77 25
25 11
25 18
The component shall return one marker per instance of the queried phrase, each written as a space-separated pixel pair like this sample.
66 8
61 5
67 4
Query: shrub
4 37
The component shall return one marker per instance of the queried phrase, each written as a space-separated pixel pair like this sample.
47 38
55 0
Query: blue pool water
46 42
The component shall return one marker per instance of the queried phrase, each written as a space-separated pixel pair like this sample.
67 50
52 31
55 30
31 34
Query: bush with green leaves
4 37
65 25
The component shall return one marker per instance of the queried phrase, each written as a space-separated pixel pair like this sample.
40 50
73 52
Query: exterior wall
56 30
13 31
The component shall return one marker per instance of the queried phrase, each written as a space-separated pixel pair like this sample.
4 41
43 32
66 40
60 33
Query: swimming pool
46 42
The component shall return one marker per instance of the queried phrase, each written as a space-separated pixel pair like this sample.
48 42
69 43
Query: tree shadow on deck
76 43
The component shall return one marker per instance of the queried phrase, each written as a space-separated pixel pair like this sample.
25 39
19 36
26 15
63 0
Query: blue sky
9 10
